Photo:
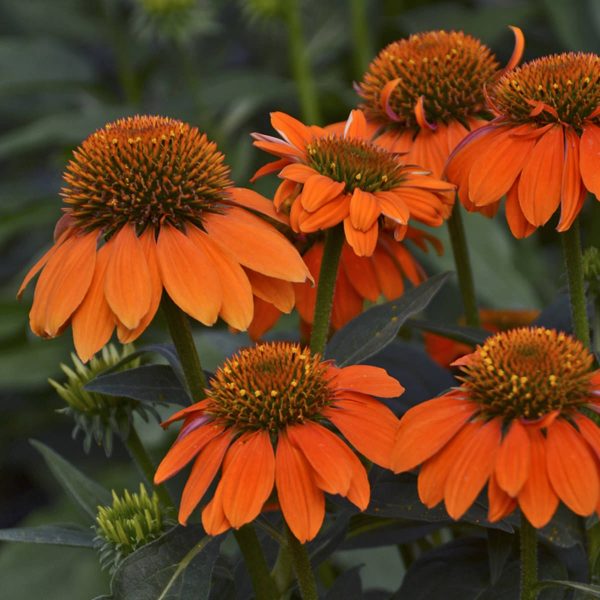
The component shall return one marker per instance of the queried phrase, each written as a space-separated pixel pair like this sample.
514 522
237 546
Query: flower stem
262 582
571 243
528 538
140 456
332 251
300 64
302 568
181 334
464 272
361 44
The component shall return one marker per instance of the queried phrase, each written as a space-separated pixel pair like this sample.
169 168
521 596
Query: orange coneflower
359 279
150 206
543 148
267 425
331 178
423 94
517 422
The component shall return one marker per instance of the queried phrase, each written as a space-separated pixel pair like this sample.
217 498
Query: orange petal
254 201
426 428
93 322
572 192
284 194
290 129
364 210
326 454
148 243
513 460
389 275
520 227
472 468
270 167
590 432
274 291
297 172
370 426
590 158
393 207
497 167
189 275
256 245
214 520
63 284
367 380
325 217
356 125
500 503
571 468
318 190
363 242
541 178
302 502
248 477
361 273
265 317
203 472
184 449
429 150
537 499
237 308
410 267
347 303
127 281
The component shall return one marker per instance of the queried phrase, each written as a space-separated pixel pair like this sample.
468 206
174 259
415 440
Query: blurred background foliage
68 66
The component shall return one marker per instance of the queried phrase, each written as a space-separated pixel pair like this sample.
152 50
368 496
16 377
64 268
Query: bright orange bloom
331 178
360 279
517 422
445 351
150 206
425 93
267 425
542 150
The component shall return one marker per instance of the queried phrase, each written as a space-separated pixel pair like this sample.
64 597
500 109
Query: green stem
334 239
283 572
262 582
460 251
302 568
529 581
140 456
361 43
596 327
181 334
571 243
300 64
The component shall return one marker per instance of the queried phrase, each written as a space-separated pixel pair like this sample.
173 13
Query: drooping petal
364 210
302 502
265 317
203 472
590 158
571 468
93 322
572 191
127 281
270 167
297 172
590 432
214 520
520 227
189 275
363 242
472 468
389 276
367 380
393 207
513 460
500 503
361 273
426 428
537 498
254 201
541 178
318 190
274 291
325 217
347 303
248 477
429 150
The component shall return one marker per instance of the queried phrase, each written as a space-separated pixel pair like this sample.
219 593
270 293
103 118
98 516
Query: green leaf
573 24
372 331
87 493
589 590
148 383
499 545
465 335
66 534
176 566
347 586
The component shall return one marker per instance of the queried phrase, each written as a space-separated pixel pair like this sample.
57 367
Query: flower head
149 205
541 150
423 94
331 178
267 425
518 422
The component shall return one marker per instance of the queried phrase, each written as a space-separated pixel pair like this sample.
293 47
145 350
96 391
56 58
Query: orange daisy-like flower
359 279
425 93
331 178
266 424
542 150
150 206
518 423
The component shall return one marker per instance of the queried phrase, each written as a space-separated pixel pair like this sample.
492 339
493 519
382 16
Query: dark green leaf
148 383
60 535
87 493
465 335
588 590
176 566
500 545
573 22
347 586
370 332
328 541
